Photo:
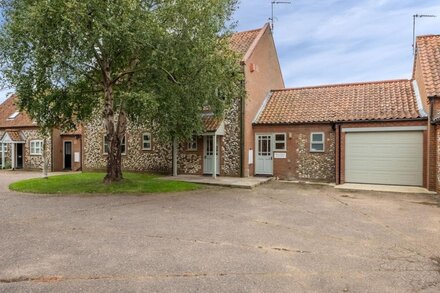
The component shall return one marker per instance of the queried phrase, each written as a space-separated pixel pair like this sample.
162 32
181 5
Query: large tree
155 61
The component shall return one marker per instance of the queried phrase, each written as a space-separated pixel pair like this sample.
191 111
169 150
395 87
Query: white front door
264 155
208 162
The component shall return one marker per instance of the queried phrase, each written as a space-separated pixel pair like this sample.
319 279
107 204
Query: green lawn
80 183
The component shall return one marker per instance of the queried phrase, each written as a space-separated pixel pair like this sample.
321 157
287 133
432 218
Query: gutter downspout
242 112
339 128
431 108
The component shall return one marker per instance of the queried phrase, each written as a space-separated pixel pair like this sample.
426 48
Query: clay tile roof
244 42
381 100
7 108
211 123
428 51
14 135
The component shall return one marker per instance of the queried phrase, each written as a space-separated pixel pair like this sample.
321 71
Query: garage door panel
384 165
384 158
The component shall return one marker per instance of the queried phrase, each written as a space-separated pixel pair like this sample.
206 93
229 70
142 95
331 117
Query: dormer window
14 115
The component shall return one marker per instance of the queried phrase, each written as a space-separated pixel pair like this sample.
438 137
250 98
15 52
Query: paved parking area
278 237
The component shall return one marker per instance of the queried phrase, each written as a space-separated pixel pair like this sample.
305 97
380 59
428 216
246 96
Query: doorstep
384 188
237 182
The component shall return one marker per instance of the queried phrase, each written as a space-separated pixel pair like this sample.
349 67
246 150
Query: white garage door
394 158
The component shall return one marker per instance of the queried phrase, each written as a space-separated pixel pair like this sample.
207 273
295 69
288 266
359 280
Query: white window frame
104 143
275 141
192 145
33 150
150 141
312 142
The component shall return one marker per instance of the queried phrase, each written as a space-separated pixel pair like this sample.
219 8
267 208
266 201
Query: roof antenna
414 28
273 3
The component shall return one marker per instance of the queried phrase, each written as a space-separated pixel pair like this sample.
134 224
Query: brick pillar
437 162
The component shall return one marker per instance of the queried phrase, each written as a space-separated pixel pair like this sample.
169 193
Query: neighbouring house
231 135
22 144
372 132
427 74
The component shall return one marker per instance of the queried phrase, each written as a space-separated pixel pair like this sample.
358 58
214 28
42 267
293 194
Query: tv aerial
273 3
415 16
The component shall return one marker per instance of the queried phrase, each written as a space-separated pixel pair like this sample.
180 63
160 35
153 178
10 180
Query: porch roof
213 124
12 136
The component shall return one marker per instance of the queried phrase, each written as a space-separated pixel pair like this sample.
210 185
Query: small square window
280 142
192 144
36 147
317 142
106 146
146 141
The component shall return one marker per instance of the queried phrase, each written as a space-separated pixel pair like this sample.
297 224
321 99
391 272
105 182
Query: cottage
370 132
427 74
226 142
22 145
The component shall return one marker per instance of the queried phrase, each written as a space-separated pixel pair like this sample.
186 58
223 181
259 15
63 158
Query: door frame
272 144
16 156
64 154
205 144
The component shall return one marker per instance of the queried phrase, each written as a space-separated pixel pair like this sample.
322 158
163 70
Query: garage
393 157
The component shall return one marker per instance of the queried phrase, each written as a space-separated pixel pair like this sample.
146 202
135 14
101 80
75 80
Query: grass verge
83 183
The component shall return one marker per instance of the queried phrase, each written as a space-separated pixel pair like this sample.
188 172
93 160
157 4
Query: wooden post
3 155
13 156
214 146
175 154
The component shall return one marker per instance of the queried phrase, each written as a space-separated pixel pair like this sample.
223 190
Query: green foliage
7 165
164 60
81 183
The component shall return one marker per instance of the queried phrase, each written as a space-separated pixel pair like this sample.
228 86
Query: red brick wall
329 166
301 164
436 159
341 166
266 76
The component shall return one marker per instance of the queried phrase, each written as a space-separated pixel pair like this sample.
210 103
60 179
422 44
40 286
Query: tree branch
170 75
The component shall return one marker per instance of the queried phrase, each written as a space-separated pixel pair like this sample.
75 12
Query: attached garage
388 156
366 133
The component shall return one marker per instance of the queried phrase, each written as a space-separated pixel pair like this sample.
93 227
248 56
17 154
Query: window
13 115
146 141
36 147
192 144
280 142
106 146
317 142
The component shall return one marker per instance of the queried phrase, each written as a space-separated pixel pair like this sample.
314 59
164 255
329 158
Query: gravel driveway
279 237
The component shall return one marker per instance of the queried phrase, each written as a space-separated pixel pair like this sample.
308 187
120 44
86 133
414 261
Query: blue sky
337 41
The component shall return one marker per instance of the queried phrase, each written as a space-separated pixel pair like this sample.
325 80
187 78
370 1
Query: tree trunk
45 159
114 160
114 133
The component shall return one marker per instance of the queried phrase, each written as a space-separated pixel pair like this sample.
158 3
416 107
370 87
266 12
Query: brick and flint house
372 132
231 135
22 144
385 132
